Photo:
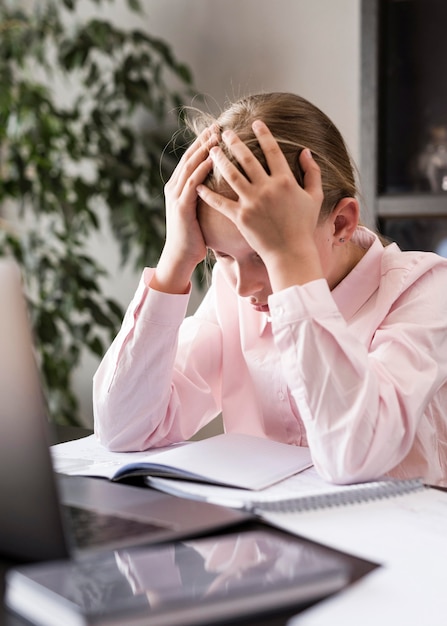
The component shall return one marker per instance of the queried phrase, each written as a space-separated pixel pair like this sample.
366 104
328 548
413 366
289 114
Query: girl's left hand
275 215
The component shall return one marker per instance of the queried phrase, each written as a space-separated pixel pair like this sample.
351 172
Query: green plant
84 118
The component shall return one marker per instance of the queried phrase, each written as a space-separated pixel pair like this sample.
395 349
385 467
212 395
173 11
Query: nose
249 280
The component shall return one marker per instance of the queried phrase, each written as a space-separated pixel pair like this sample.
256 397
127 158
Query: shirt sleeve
361 403
139 382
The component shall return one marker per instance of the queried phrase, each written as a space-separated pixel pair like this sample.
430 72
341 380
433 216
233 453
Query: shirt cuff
165 309
301 302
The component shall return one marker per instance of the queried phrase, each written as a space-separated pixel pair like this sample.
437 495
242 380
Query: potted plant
84 119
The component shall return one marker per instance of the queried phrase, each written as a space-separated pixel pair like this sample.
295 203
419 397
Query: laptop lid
33 526
30 523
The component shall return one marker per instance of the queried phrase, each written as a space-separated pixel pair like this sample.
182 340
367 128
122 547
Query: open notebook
44 516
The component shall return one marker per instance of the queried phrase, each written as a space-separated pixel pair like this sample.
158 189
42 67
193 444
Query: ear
345 219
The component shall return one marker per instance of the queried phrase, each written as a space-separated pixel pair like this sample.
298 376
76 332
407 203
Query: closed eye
221 255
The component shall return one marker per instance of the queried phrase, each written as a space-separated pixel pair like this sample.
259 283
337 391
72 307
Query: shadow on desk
59 433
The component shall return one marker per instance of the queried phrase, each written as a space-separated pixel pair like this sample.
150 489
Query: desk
408 536
358 567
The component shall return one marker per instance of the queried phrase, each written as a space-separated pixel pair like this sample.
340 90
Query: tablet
209 580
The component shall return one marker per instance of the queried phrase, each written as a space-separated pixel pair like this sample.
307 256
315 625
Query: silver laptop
46 516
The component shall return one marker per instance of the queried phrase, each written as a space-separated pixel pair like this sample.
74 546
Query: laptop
48 516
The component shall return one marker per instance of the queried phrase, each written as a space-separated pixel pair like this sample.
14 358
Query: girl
312 333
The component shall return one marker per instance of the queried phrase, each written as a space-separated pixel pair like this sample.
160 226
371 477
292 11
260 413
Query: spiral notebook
301 492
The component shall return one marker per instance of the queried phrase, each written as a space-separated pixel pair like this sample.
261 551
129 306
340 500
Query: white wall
238 46
235 47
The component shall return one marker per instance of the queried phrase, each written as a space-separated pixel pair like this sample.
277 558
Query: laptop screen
34 512
30 522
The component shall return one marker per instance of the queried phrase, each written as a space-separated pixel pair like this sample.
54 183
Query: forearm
172 274
159 381
132 386
361 403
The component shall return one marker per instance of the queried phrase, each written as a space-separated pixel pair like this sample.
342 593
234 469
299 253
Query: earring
342 240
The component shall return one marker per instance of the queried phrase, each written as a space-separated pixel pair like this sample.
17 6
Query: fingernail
257 125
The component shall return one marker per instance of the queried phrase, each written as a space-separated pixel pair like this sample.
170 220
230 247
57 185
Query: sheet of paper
407 535
307 482
88 457
234 459
413 595
379 530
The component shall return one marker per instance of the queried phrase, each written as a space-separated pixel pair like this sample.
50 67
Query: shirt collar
361 282
265 320
364 279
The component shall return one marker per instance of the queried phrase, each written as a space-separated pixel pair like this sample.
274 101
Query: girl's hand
184 246
275 215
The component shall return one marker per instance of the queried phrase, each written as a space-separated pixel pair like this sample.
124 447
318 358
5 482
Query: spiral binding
353 494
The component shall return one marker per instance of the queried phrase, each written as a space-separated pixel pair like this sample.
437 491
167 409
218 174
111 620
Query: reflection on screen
206 570
209 566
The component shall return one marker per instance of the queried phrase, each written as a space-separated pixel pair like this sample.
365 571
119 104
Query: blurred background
91 93
236 47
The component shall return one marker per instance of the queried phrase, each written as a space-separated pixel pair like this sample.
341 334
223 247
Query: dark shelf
410 205
403 166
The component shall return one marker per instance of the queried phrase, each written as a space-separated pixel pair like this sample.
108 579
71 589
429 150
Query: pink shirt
359 374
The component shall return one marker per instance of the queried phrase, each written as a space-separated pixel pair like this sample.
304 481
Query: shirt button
281 395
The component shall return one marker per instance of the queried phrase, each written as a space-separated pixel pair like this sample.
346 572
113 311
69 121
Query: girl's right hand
184 247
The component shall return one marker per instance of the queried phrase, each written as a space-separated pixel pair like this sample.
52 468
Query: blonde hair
296 124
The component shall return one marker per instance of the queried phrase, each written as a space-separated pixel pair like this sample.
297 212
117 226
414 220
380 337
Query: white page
235 459
411 595
243 460
306 483
379 530
86 456
407 535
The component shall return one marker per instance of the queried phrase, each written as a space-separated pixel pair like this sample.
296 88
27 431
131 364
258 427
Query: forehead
219 232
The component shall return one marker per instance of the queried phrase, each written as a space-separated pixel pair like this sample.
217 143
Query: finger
274 156
230 173
216 201
201 140
312 174
197 152
250 165
189 189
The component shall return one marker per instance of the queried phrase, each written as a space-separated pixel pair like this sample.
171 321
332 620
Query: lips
261 308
